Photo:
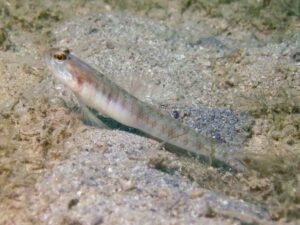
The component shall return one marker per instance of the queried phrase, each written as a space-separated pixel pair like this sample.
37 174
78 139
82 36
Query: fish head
58 61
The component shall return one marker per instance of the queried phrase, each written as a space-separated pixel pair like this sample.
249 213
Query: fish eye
60 56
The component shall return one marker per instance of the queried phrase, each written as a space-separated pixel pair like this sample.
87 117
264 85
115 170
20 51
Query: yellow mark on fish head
61 54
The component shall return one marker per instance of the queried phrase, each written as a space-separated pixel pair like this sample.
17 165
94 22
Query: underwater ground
229 69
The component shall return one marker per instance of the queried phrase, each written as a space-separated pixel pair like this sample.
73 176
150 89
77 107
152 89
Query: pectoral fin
90 118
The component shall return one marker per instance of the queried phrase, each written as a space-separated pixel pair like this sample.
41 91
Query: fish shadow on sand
222 165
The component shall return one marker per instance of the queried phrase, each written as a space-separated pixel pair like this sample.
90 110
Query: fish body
100 93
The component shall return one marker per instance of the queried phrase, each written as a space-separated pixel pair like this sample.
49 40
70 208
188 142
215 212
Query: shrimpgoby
100 93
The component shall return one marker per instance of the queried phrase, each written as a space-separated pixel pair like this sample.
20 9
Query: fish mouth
48 54
47 58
